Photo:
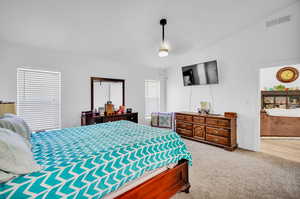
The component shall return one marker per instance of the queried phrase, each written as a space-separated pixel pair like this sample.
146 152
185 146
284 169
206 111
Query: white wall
240 57
76 72
268 78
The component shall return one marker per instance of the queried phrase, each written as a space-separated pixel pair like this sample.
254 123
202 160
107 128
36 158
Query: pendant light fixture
163 50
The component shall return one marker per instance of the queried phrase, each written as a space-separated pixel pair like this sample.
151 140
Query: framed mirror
106 89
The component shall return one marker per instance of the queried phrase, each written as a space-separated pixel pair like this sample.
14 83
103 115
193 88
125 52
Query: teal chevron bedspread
92 161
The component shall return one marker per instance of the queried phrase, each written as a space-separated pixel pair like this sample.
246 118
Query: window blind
39 98
152 97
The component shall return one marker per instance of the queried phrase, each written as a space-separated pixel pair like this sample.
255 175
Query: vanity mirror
110 93
106 89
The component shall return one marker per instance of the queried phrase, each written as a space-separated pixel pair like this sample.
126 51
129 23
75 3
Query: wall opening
280 111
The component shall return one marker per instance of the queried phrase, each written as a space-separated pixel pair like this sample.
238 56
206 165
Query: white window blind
39 98
152 97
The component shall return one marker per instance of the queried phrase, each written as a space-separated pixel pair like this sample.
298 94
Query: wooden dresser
211 129
87 118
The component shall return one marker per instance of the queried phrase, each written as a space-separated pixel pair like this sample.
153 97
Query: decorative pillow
165 120
16 125
15 156
154 119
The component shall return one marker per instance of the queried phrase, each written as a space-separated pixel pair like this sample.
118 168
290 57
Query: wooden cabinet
280 99
210 129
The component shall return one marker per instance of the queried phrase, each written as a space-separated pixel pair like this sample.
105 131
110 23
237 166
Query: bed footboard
163 185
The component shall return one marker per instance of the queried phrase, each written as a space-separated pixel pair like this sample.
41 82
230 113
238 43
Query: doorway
280 111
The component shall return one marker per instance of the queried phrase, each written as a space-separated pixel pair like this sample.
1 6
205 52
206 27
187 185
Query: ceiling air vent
277 21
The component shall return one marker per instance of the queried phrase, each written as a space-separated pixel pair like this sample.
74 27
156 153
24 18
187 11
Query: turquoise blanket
92 161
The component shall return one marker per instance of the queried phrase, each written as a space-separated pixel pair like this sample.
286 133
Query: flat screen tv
200 74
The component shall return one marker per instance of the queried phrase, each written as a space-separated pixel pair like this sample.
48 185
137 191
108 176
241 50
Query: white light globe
163 52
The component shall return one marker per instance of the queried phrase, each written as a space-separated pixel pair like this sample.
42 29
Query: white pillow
19 119
4 177
16 125
15 155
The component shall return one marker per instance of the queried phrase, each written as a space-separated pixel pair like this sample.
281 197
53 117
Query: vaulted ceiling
128 30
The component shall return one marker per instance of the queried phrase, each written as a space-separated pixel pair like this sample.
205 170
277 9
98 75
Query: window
152 97
38 98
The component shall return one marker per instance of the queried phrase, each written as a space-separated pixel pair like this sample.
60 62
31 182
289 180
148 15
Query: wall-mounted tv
200 74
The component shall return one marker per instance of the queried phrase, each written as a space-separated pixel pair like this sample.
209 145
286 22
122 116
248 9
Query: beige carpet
217 173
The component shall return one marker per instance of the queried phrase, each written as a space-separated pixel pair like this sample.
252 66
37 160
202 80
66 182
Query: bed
98 160
280 122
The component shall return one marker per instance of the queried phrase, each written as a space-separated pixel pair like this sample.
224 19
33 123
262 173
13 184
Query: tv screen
200 74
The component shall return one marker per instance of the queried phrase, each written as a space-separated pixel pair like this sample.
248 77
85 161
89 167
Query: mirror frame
106 80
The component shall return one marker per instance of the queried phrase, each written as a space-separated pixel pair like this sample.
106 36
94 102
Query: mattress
93 161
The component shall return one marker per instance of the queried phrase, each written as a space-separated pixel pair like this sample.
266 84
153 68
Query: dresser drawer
218 122
179 117
224 123
199 131
199 120
184 132
184 125
211 121
217 131
188 118
217 139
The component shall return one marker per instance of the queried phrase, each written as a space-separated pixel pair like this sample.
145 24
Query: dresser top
204 115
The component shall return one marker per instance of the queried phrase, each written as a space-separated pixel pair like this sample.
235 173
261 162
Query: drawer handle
216 139
216 132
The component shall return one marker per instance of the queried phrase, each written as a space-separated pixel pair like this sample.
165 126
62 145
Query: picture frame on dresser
217 130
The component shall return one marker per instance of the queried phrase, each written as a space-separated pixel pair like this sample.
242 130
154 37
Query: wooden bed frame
163 185
279 126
